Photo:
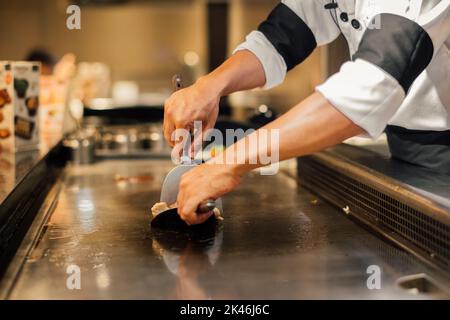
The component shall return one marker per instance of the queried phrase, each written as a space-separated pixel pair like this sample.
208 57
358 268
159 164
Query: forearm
311 126
242 71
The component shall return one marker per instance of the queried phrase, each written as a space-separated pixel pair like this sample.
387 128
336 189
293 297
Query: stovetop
145 140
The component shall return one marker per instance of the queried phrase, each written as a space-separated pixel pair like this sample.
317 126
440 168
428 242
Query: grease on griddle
133 179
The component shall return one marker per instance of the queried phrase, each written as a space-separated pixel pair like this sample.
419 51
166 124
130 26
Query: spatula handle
177 82
206 206
177 85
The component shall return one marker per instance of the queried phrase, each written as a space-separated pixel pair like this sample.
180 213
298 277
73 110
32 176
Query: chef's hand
198 102
207 181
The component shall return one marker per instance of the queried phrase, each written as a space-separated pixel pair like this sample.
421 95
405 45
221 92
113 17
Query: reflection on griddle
190 256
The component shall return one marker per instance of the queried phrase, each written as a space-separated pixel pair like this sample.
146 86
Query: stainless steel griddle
278 241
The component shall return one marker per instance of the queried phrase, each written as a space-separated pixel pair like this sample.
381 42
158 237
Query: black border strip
289 34
400 46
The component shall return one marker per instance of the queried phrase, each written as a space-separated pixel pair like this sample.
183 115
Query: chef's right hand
198 102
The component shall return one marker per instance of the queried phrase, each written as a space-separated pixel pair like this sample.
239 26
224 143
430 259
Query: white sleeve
288 36
273 64
370 88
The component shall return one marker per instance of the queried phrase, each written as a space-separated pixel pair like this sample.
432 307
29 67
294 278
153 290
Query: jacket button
344 16
356 24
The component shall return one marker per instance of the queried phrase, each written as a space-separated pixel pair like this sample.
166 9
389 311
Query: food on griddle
21 86
4 98
32 104
133 179
4 133
162 206
217 214
24 128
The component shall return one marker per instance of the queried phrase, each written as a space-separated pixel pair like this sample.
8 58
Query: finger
193 218
176 153
166 121
168 129
169 121
187 205
181 200
196 145
187 208
202 217
183 142
200 137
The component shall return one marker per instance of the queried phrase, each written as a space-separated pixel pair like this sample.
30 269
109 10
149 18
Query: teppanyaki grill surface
277 241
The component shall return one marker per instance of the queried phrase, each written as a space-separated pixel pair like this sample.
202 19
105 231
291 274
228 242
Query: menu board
6 108
26 77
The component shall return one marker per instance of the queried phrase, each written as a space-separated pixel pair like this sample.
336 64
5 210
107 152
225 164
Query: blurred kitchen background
147 41
127 51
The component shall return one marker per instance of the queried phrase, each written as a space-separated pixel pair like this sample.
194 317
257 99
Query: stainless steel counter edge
392 186
29 242
20 207
344 163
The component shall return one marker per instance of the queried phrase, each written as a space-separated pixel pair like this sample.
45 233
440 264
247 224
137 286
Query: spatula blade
170 187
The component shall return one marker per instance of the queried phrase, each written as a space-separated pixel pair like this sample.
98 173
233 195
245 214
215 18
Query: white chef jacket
399 73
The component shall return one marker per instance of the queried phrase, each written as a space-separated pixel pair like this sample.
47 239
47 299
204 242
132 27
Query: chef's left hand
207 181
